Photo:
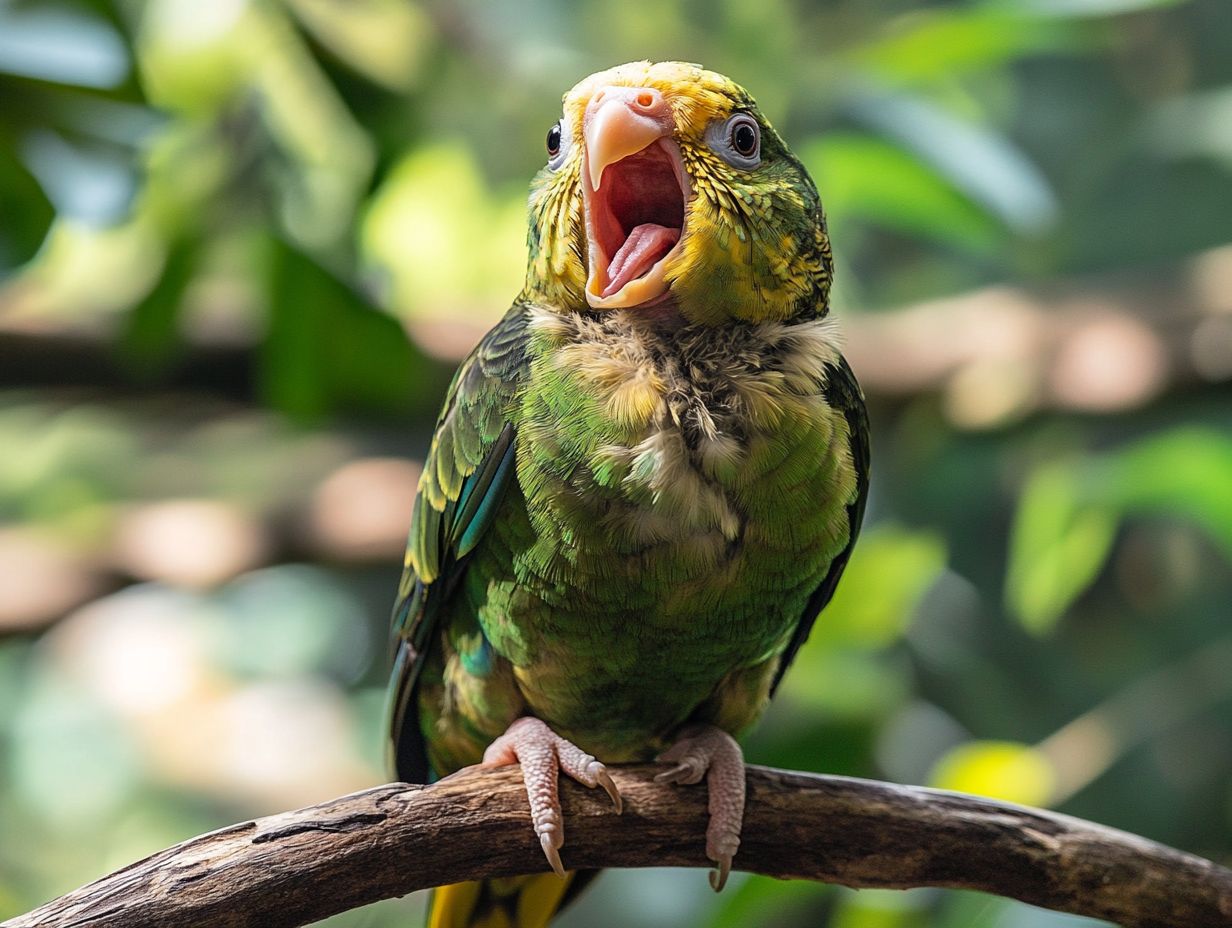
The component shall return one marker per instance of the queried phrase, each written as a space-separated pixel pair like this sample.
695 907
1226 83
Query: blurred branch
301 866
1111 344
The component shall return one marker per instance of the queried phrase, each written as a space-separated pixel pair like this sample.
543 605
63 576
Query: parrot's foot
706 751
542 752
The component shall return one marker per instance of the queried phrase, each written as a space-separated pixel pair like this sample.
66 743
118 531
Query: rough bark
297 867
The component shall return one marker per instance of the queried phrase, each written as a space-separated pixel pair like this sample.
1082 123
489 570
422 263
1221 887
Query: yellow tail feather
516 902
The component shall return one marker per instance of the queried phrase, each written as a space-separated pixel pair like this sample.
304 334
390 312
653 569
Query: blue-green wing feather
466 476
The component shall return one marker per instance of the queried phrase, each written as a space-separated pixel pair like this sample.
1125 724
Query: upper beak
621 121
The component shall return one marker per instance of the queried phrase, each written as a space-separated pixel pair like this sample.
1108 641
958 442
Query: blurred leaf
88 181
968 909
60 732
25 210
1185 472
848 683
938 44
61 45
72 461
890 569
997 769
446 242
976 158
865 178
328 349
290 620
757 899
882 908
151 338
1058 544
1085 8
1193 124
385 40
1068 514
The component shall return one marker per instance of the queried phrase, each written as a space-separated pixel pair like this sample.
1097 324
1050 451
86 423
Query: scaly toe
706 751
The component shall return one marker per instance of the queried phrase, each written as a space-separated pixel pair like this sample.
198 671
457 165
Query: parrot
646 479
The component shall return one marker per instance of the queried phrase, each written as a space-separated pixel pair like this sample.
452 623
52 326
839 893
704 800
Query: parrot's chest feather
664 428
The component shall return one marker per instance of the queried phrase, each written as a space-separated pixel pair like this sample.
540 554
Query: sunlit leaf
385 40
447 243
997 769
1057 546
890 569
938 43
1185 472
882 908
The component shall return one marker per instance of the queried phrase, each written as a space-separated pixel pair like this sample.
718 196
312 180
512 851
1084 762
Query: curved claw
553 855
718 876
684 773
604 779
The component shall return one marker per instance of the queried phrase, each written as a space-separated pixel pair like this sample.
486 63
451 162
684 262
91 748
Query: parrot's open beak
634 191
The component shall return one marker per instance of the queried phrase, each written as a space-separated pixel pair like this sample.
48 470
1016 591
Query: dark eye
744 137
554 141
737 140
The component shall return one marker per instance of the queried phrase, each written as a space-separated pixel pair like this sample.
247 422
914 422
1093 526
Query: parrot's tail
514 902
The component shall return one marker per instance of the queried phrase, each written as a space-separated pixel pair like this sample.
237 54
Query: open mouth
634 223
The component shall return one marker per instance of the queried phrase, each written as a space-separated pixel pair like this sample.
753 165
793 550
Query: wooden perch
298 867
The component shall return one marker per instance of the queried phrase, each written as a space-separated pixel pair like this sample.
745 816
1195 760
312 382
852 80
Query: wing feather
465 478
841 392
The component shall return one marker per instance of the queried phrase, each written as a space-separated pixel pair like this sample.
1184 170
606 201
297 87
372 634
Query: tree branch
298 867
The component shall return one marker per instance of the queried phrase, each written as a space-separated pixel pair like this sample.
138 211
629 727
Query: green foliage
328 347
869 614
1057 547
1068 514
870 181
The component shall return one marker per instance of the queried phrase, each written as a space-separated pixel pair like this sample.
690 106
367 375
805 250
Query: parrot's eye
558 144
737 140
744 138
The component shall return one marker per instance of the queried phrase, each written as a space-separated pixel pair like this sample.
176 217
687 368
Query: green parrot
646 479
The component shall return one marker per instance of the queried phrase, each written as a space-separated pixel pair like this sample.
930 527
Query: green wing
467 471
841 392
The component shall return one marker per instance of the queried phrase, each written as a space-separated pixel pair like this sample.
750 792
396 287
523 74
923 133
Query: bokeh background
244 242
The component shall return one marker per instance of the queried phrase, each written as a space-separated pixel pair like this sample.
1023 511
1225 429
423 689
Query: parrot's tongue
645 245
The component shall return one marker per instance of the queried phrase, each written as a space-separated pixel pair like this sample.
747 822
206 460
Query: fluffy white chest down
678 421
